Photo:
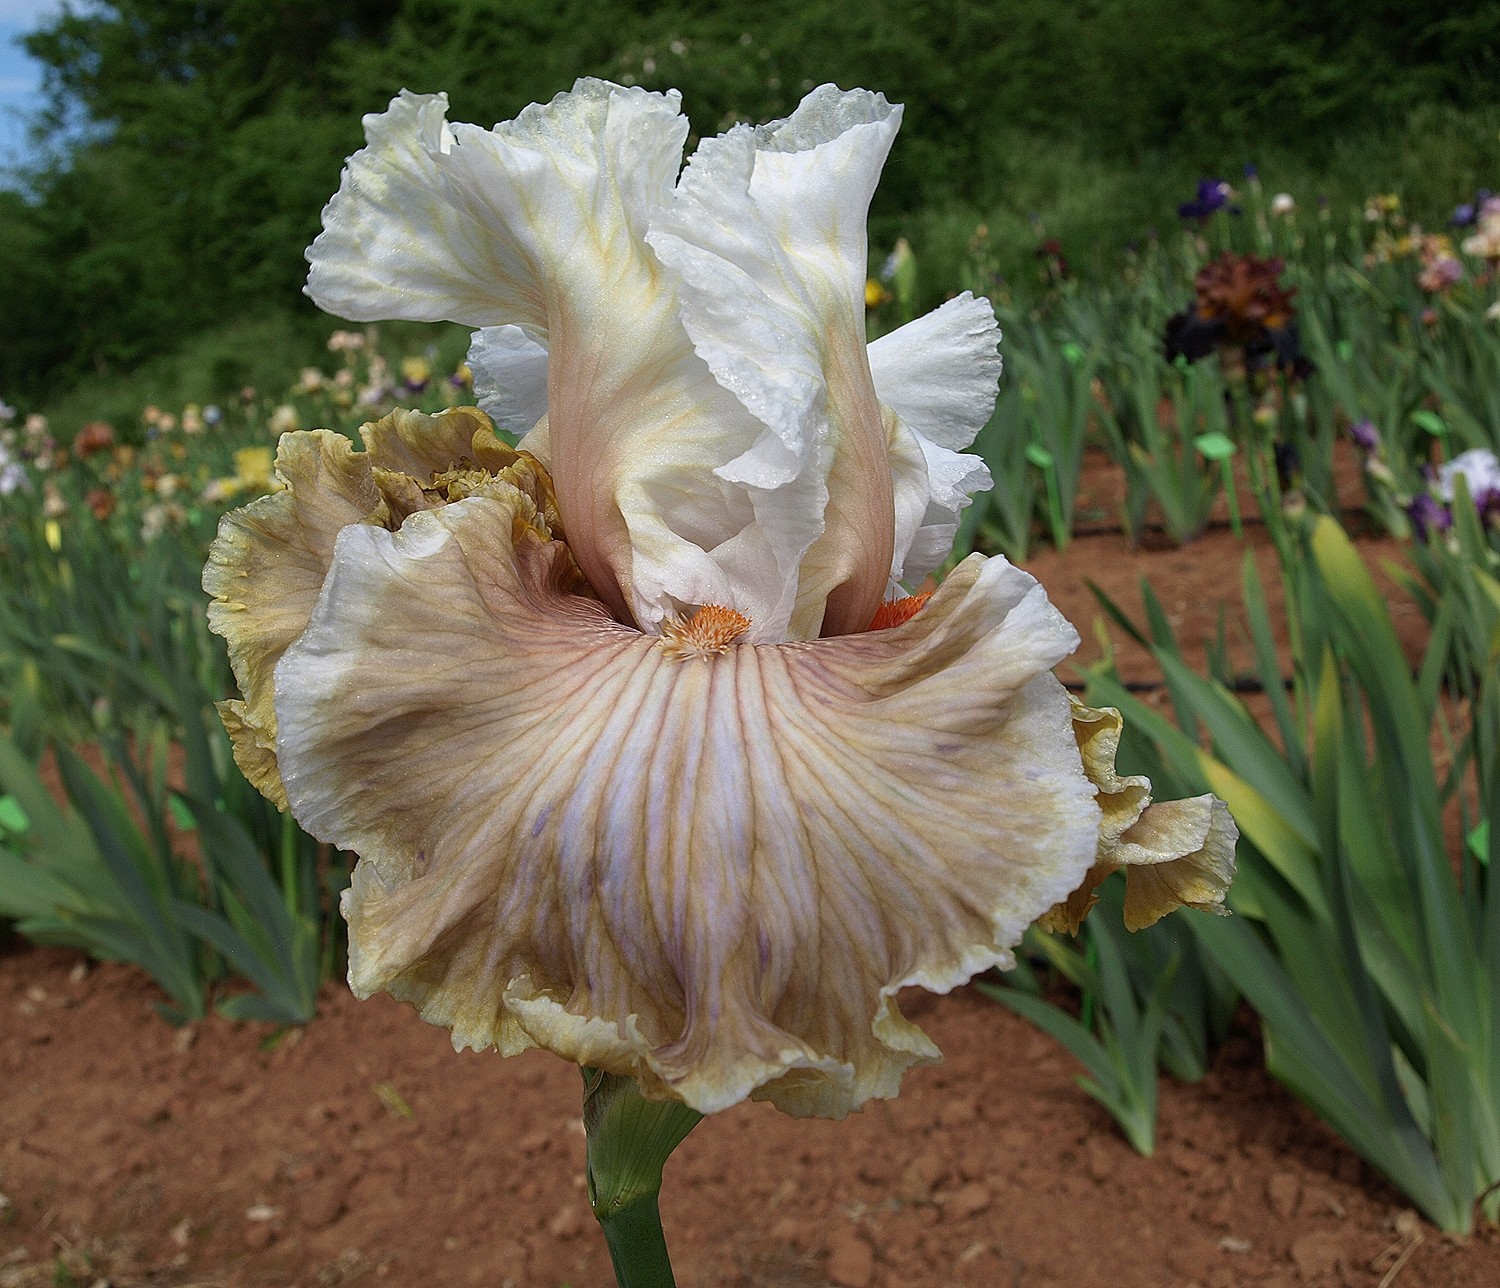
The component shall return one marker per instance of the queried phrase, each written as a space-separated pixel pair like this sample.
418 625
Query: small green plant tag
12 816
1430 421
1215 446
181 814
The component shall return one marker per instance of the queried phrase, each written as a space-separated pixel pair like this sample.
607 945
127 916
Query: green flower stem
629 1141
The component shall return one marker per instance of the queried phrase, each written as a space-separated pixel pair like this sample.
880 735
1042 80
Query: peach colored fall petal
709 869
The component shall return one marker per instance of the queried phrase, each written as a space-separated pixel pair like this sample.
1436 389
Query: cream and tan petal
1175 854
421 444
712 873
265 570
1179 854
1122 797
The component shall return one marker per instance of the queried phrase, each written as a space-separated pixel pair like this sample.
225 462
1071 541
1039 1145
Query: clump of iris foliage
163 854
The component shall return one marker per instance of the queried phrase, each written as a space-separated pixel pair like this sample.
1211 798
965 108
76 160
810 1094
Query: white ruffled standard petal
767 234
711 874
939 374
534 232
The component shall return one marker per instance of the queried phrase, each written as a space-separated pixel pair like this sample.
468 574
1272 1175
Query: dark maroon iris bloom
1239 303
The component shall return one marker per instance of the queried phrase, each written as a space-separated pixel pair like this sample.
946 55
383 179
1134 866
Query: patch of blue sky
20 76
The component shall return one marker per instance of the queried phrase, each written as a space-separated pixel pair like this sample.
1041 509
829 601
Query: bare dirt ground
362 1149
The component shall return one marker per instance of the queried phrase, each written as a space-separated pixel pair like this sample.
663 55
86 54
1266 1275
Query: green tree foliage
201 137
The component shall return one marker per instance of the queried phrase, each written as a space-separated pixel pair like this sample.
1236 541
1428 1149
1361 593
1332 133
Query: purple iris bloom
1366 437
1213 195
1488 505
1466 213
1428 515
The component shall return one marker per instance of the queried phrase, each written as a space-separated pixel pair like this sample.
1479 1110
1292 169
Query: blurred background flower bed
1247 437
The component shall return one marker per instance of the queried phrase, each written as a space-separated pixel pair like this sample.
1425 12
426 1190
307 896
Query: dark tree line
203 136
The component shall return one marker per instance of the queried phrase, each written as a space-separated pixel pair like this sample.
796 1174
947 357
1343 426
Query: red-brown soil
362 1149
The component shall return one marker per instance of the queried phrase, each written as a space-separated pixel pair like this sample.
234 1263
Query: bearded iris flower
648 757
1213 195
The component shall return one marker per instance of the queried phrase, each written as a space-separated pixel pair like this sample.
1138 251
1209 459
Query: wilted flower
631 775
1283 204
1239 303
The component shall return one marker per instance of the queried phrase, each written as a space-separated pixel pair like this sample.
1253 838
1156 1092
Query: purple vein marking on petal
541 821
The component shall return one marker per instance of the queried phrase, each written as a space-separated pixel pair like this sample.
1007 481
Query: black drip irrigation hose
1242 684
